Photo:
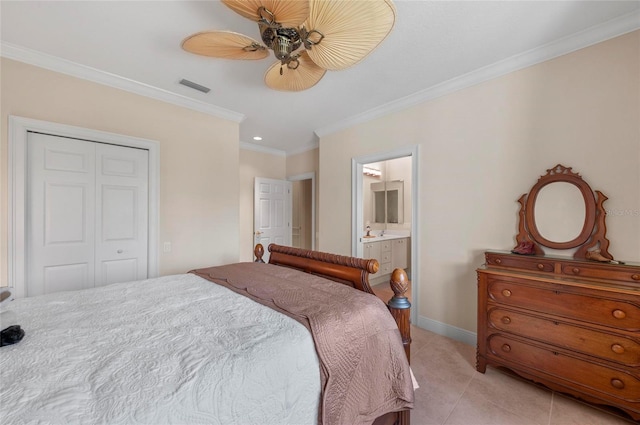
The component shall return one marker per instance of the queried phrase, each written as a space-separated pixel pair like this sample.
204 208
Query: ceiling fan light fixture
282 48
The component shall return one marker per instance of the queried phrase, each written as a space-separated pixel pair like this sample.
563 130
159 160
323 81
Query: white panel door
121 213
272 212
87 214
60 221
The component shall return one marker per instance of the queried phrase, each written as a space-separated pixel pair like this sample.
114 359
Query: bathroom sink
385 236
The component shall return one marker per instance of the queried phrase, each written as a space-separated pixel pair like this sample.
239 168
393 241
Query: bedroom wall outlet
166 247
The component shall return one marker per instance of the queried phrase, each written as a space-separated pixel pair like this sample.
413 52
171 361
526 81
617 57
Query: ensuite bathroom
387 207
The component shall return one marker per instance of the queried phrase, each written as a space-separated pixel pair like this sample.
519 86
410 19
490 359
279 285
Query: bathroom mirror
561 211
388 201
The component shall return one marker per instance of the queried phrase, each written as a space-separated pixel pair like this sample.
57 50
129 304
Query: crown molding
53 63
261 149
278 152
303 149
597 34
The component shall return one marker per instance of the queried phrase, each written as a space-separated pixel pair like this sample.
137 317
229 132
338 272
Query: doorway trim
19 127
357 211
307 176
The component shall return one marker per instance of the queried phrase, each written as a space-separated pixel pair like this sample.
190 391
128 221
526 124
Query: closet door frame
19 127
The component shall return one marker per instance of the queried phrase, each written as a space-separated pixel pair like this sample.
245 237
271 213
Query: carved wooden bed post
400 307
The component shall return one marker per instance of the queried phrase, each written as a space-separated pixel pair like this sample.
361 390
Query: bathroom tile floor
452 392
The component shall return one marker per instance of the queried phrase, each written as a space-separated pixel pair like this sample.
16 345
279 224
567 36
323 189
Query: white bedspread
176 349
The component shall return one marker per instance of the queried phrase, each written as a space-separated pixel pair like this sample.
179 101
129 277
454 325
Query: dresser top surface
558 258
622 277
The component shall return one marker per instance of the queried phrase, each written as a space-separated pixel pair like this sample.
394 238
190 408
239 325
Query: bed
229 344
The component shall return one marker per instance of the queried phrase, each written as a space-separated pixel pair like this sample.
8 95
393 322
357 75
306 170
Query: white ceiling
435 47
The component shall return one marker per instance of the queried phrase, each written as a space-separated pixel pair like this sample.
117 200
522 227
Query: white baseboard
449 331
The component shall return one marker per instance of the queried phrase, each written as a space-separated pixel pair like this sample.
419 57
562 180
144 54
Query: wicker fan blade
224 44
351 29
290 13
305 76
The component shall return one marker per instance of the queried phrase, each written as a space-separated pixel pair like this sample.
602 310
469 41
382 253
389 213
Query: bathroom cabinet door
399 253
372 250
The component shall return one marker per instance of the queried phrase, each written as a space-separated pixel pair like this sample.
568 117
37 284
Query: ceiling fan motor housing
282 41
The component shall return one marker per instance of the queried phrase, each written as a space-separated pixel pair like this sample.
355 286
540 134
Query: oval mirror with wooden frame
555 213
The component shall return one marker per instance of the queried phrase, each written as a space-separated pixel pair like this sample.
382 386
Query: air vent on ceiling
195 86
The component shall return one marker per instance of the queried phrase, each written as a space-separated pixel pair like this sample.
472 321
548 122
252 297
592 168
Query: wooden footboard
354 272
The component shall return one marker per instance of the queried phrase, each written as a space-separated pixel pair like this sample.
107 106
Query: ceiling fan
308 37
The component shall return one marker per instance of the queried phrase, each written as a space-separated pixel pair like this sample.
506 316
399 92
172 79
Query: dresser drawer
617 348
602 311
594 378
520 262
610 272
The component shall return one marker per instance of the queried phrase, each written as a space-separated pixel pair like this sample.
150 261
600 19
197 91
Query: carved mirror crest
562 212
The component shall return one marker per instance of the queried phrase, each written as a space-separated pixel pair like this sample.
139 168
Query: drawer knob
635 277
619 314
506 292
575 270
540 266
506 348
498 261
506 320
617 383
617 348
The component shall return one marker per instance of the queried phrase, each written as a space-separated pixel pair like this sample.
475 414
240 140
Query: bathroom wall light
368 171
257 138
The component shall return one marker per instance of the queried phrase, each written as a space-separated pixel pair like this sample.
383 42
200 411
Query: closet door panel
122 213
60 220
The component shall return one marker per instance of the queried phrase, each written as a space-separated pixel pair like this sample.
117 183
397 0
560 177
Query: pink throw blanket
364 369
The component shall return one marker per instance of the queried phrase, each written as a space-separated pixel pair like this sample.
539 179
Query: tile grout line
553 396
460 398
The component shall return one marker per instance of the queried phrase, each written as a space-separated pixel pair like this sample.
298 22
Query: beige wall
254 164
303 163
199 158
481 148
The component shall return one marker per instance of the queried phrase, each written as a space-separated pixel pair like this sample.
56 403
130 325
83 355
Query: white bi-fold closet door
87 214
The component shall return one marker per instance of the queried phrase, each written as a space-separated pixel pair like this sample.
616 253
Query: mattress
175 349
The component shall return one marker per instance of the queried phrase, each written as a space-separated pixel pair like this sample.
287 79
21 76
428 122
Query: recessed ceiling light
257 138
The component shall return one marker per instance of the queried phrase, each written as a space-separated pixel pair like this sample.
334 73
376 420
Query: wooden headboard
348 270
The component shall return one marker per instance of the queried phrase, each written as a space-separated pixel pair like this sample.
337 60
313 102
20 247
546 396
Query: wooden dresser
572 325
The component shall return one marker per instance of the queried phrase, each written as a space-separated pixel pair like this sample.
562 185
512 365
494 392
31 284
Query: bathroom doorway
397 223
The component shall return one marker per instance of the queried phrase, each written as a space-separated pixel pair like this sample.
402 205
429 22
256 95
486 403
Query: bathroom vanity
392 252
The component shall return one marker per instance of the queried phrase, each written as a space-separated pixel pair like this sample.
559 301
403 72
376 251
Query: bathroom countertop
387 236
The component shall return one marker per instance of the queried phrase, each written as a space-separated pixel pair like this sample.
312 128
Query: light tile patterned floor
453 393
